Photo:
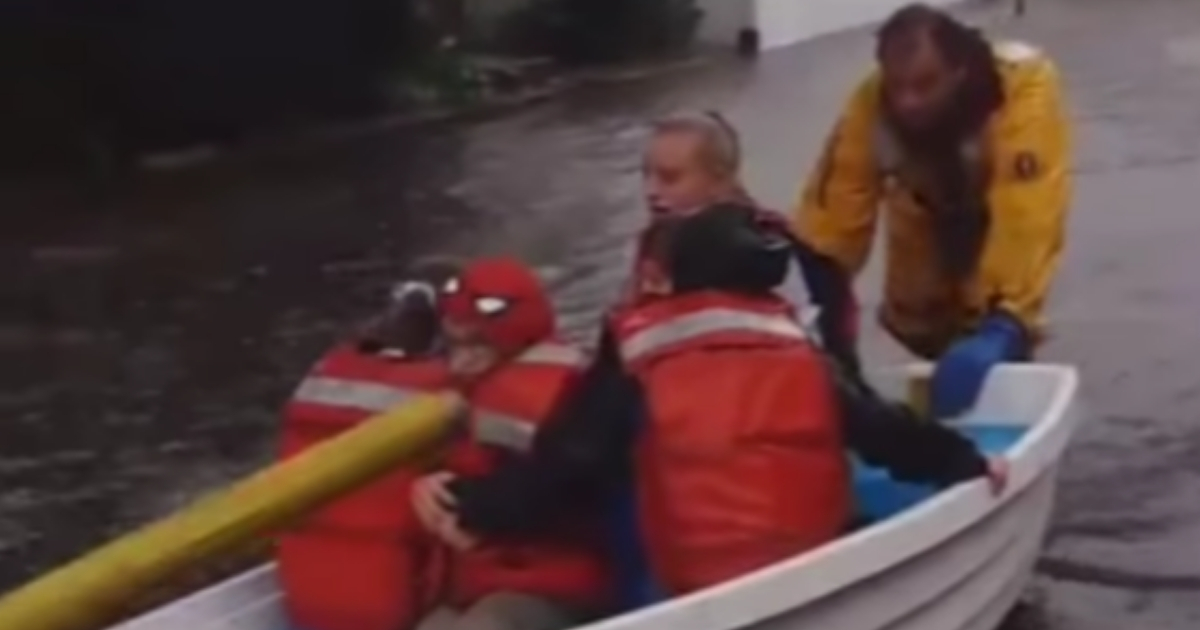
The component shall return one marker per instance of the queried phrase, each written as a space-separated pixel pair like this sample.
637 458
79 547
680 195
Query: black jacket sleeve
832 291
891 436
580 454
884 434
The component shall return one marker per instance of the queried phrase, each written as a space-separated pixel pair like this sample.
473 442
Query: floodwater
150 342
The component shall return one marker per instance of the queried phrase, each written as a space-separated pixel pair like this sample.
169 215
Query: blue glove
960 373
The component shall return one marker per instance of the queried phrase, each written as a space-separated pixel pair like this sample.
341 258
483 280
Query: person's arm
1027 199
576 456
1029 196
891 436
838 208
832 292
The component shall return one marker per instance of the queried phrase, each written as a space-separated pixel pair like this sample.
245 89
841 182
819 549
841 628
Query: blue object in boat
635 583
636 586
879 497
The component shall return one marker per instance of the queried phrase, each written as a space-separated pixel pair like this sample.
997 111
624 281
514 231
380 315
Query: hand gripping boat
955 560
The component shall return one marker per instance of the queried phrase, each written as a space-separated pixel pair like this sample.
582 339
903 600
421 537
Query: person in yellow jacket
966 146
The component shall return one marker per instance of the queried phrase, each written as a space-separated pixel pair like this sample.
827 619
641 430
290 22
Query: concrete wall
786 22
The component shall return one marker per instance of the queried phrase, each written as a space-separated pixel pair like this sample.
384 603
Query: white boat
954 560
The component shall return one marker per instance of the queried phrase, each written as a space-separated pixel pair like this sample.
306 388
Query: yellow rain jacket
1023 154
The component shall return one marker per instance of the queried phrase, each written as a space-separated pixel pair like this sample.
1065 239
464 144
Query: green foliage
601 31
444 77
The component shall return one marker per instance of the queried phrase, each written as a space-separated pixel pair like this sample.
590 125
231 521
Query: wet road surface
149 346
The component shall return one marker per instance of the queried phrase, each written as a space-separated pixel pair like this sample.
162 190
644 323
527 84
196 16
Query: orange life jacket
507 408
741 465
356 564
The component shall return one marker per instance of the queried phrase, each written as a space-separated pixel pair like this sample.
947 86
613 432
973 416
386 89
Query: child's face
675 177
468 352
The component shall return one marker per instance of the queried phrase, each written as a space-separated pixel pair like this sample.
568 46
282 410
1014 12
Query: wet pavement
150 343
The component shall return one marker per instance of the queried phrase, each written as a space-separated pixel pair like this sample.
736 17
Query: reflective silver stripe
352 394
552 354
511 432
706 322
504 431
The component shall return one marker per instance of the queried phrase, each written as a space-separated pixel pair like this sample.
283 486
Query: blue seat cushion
879 497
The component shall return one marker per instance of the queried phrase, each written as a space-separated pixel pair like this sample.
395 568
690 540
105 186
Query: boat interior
879 497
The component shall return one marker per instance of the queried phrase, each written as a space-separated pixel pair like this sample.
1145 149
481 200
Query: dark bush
98 81
139 75
600 31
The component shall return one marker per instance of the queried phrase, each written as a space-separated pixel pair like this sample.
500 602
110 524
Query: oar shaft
87 593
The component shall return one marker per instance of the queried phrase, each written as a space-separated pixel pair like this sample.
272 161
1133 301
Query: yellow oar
88 593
